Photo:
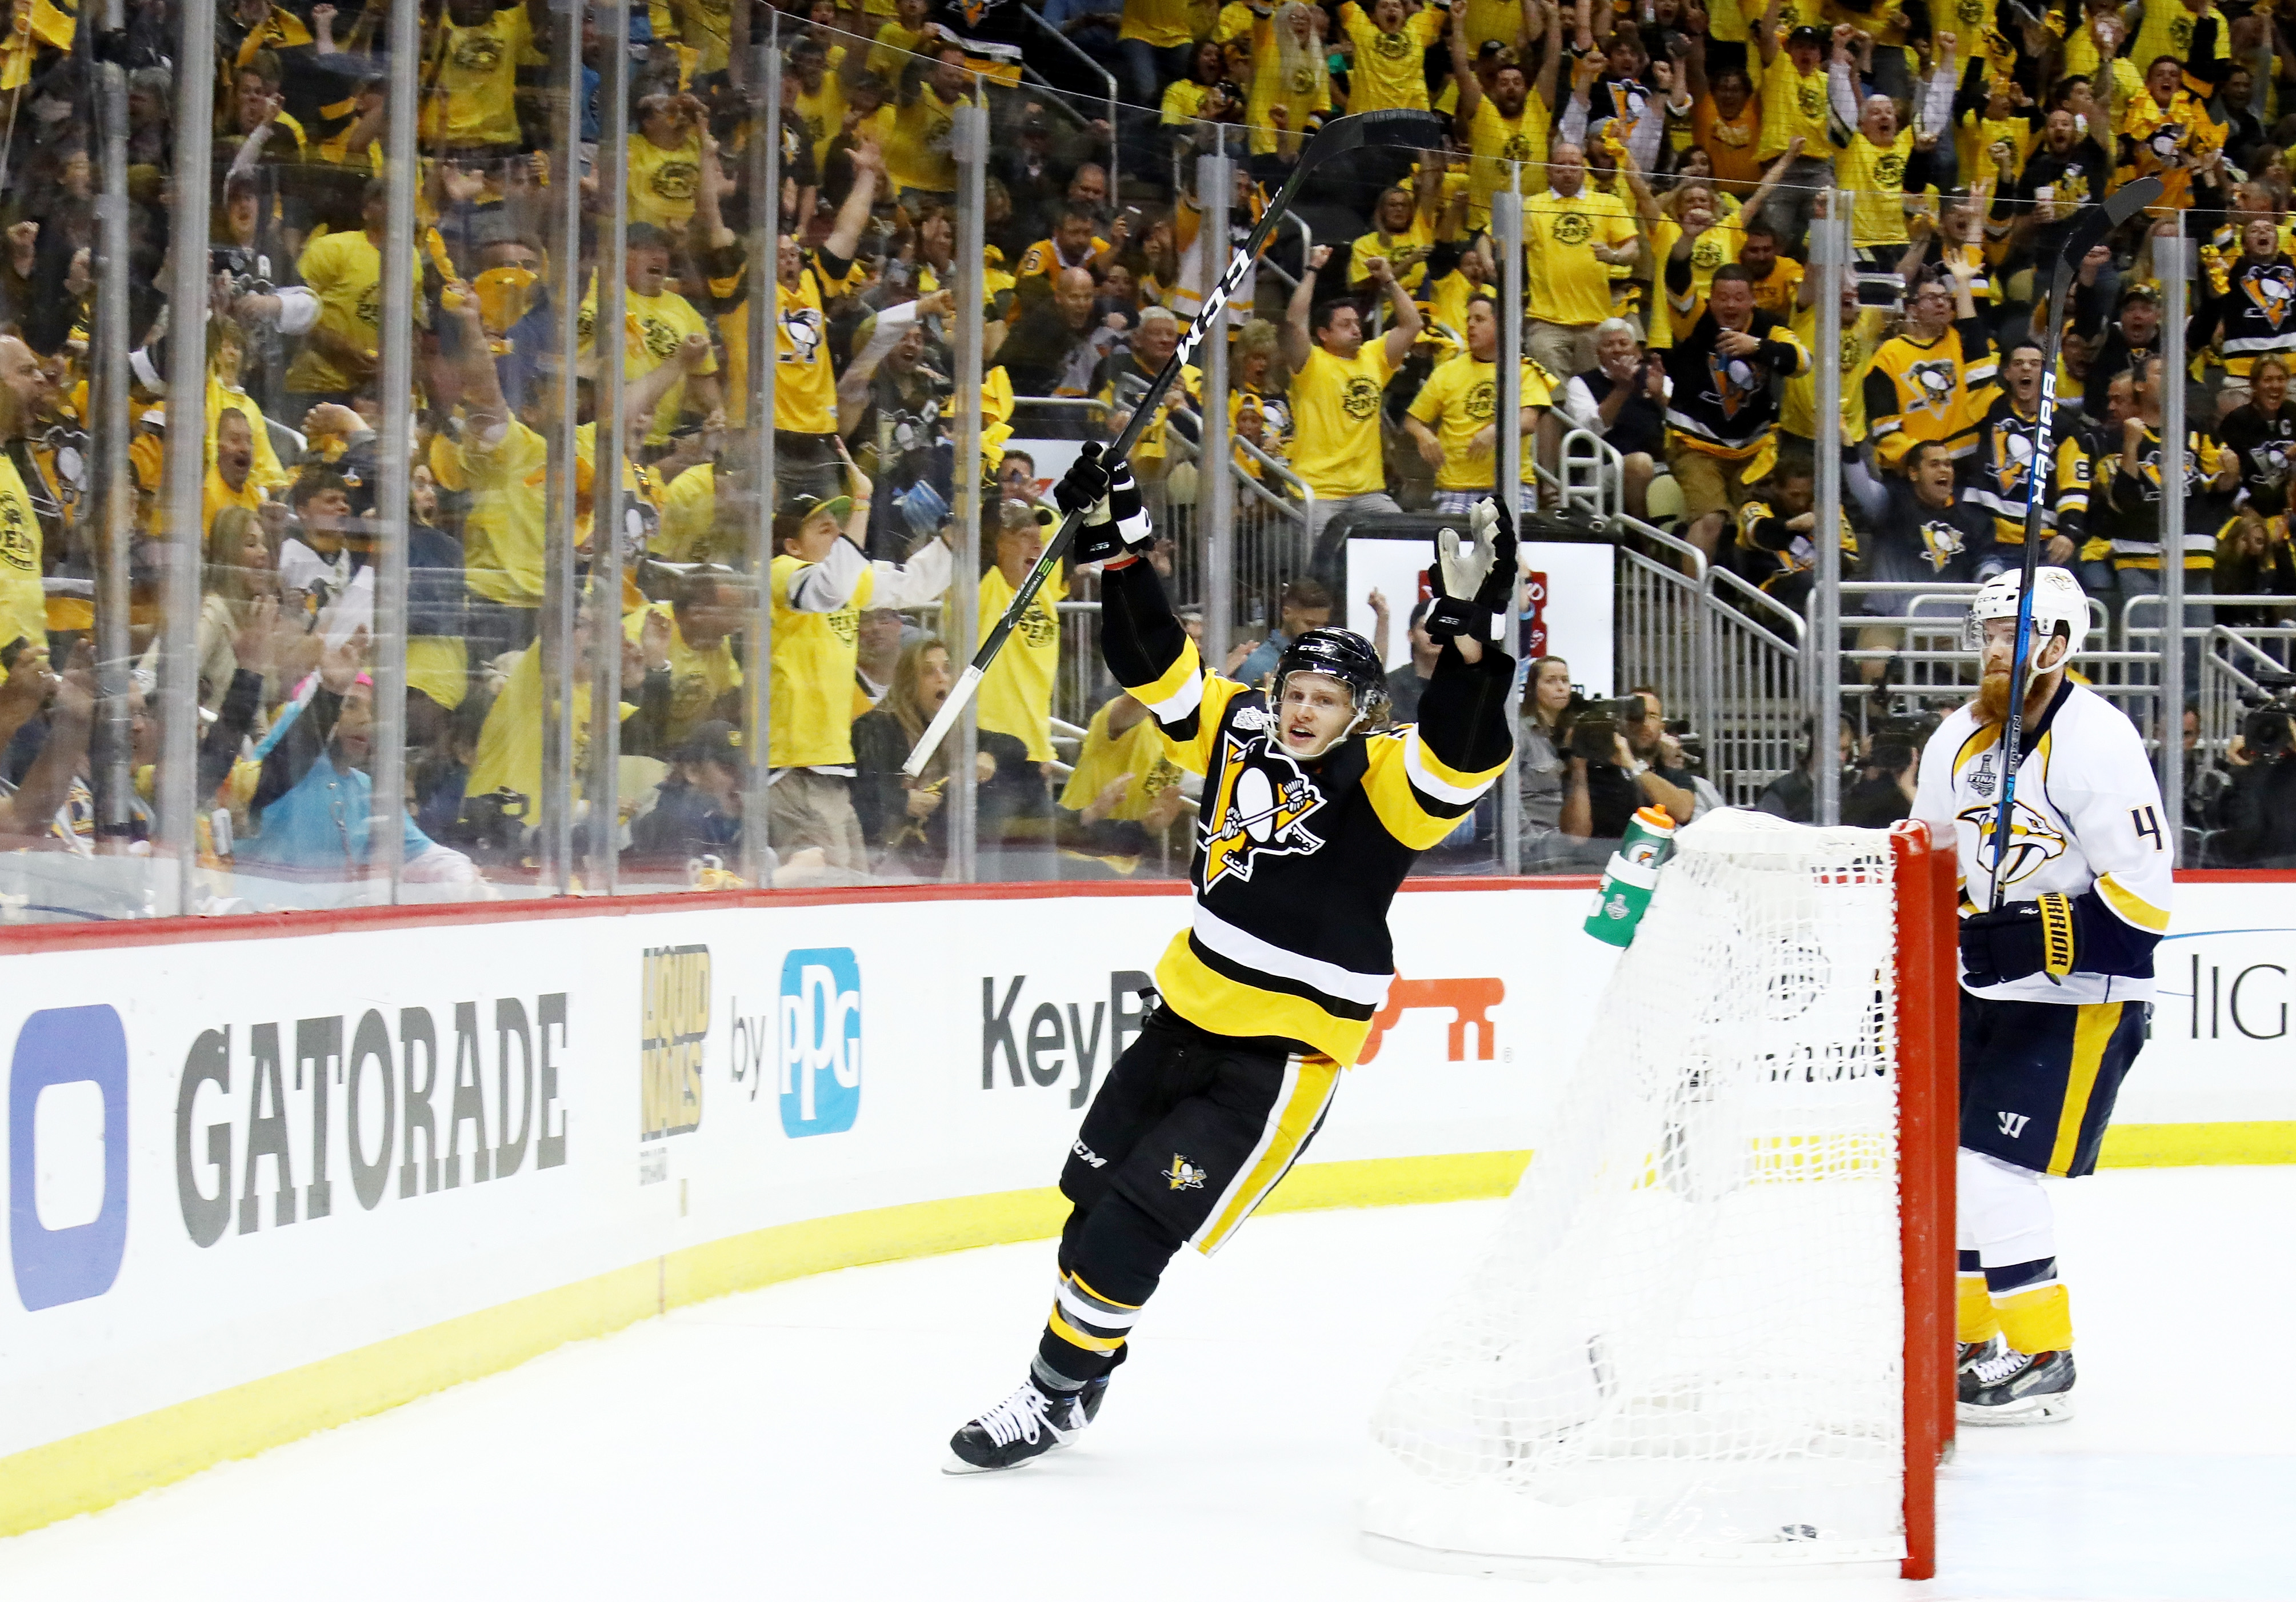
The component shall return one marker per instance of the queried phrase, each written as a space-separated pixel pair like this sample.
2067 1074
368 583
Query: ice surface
787 1443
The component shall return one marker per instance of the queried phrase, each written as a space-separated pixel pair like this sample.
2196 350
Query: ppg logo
68 1155
820 1041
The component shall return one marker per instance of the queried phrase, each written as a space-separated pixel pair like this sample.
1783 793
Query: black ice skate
2015 1388
1024 1426
1970 1353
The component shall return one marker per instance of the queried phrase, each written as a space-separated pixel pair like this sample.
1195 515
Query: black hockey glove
1115 523
2024 938
1470 580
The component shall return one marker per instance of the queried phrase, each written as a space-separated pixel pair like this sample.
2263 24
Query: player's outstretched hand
1085 484
2017 940
1471 578
1116 524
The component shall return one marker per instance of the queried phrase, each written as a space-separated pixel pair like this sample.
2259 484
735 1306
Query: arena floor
786 1444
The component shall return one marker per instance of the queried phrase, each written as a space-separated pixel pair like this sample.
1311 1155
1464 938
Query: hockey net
1712 1328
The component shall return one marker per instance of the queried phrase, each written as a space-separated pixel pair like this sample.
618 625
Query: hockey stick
1341 138
2094 224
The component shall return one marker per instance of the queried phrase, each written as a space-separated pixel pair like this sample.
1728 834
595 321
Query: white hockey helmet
2059 607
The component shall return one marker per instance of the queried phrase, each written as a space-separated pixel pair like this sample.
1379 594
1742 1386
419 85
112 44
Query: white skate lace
1992 1370
1019 1416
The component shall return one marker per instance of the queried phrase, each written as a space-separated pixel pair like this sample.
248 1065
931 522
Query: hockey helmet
1343 655
2059 607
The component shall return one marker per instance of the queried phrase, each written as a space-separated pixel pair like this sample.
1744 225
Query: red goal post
1929 1118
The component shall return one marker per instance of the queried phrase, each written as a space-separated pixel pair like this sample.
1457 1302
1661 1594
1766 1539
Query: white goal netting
1684 1346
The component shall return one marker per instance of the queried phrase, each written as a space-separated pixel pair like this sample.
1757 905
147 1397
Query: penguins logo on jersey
801 327
2012 454
2274 292
1263 801
1932 384
2033 840
1735 382
1941 541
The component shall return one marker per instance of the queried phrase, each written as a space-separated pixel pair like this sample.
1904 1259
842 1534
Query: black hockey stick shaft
1339 137
2087 233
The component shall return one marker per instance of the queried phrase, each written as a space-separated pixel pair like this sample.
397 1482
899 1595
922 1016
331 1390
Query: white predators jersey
2086 817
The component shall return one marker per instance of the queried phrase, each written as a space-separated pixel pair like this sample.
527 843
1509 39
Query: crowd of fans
1671 156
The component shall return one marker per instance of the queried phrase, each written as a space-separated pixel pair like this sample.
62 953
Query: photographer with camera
1884 790
2259 809
1794 795
1623 757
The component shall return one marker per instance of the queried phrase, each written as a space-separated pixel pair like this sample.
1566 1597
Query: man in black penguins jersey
1313 812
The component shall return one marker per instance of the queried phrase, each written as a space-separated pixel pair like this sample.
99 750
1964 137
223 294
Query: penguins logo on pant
1184 1175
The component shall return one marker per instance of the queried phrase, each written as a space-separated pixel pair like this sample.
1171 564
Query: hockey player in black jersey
1313 812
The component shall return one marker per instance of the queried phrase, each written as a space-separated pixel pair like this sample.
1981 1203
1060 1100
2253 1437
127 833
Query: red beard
1993 700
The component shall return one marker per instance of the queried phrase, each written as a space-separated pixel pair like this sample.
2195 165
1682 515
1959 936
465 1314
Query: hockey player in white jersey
2056 983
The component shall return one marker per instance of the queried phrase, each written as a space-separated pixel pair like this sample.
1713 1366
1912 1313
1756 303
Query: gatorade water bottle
1629 878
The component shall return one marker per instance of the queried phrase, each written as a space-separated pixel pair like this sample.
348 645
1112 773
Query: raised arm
1550 64
1766 31
1463 73
1400 339
1298 340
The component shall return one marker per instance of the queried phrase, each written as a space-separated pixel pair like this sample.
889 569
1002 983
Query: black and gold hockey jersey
1296 862
2001 476
1929 389
1721 404
1780 558
2255 313
2127 507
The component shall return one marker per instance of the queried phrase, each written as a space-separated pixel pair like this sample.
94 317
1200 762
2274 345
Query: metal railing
1115 133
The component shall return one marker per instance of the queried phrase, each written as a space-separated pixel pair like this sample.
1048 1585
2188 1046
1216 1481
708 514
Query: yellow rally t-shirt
1792 103
1137 754
655 326
697 678
1335 420
1877 174
345 272
663 182
1016 692
815 654
1861 338
23 608
918 156
1494 144
1459 400
1390 68
1567 284
503 530
477 80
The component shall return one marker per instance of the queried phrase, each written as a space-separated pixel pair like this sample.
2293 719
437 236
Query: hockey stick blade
2097 221
1343 135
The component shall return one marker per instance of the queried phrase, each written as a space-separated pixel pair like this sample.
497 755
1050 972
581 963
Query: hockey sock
1111 1266
2008 1219
1974 1321
2035 1311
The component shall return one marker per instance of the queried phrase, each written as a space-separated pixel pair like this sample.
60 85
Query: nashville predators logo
1261 807
677 180
1941 541
1933 385
1184 1175
1360 399
1572 228
2034 841
2273 290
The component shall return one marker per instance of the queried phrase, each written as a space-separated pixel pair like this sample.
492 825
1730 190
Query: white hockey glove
1471 578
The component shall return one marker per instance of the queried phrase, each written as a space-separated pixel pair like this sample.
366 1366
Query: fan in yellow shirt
1338 380
345 272
657 321
1504 126
665 161
472 76
1290 78
1572 235
1453 420
919 155
1390 69
1016 692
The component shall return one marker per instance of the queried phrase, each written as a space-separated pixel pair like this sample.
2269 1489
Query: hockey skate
1968 1354
2013 1387
1022 1427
